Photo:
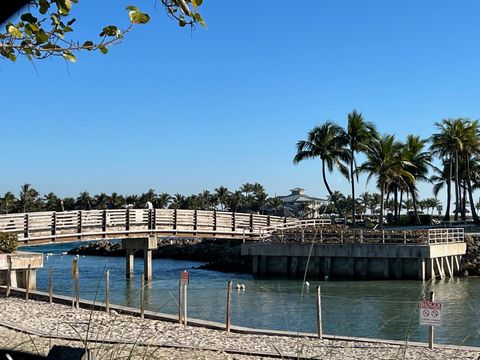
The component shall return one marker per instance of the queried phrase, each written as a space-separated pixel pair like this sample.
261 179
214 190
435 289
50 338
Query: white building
303 205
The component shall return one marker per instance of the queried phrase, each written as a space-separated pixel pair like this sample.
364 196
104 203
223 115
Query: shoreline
203 336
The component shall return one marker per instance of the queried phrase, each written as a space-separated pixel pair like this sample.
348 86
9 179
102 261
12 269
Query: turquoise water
376 309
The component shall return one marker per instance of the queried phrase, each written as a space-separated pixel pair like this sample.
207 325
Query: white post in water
76 287
50 286
27 285
184 280
185 321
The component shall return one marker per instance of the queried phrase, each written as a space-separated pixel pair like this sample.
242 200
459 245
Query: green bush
8 242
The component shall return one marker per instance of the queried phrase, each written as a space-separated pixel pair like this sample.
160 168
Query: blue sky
182 111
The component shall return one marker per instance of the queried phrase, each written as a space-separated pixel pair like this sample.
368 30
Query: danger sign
430 313
184 278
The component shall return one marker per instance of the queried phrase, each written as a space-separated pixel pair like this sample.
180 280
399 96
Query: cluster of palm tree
250 197
397 166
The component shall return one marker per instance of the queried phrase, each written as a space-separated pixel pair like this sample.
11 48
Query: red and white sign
430 313
184 278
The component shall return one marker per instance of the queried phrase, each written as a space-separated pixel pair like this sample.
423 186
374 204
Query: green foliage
45 29
8 242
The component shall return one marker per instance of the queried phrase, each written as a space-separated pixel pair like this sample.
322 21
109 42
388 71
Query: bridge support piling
147 264
147 244
129 257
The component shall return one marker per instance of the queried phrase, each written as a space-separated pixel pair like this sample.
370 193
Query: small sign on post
430 313
184 278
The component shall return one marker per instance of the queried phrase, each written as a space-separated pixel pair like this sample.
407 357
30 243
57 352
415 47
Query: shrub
8 242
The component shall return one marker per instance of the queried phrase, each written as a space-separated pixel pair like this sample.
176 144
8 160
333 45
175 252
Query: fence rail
303 232
42 227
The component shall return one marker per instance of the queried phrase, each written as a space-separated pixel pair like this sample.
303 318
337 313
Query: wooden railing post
127 220
26 227
104 223
251 223
80 219
54 223
214 220
195 220
269 221
149 223
234 225
175 216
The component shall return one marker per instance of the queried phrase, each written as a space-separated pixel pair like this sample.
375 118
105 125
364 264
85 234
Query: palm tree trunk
457 189
382 205
396 205
353 190
464 201
340 214
449 192
476 220
415 211
400 205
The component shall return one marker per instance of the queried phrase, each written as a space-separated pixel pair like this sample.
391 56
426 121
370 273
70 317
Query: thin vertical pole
319 314
77 289
142 297
9 276
180 302
431 330
27 285
50 286
107 291
229 308
185 305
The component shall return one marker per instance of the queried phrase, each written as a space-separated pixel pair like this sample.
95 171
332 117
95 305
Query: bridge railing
344 235
44 226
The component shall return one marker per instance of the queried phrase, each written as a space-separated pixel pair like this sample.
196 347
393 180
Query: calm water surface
376 309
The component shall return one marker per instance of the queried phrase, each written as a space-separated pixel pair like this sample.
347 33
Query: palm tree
84 201
327 142
51 202
447 143
383 162
471 146
419 162
365 199
163 200
222 195
28 197
8 201
359 132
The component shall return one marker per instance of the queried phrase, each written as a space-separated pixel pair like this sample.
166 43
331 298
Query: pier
330 252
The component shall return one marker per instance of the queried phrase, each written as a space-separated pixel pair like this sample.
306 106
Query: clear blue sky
182 111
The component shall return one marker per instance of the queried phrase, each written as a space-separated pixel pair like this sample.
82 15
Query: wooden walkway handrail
41 227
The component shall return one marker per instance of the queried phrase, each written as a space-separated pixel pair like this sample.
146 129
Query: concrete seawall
362 261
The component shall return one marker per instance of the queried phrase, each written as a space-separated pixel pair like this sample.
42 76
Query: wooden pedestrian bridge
276 245
83 225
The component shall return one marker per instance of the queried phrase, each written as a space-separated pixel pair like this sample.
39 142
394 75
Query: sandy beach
36 326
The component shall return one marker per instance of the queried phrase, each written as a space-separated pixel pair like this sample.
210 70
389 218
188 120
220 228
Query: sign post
430 313
184 280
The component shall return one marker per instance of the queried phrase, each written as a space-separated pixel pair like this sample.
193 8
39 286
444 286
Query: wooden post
104 223
185 321
77 290
180 302
27 285
80 219
234 221
9 275
229 308
431 330
127 219
175 216
142 297
215 220
195 220
26 228
50 286
54 223
319 314
107 291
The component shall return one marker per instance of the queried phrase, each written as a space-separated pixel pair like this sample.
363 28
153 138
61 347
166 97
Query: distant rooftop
298 195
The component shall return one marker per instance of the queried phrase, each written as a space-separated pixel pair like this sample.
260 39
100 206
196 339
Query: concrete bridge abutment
147 244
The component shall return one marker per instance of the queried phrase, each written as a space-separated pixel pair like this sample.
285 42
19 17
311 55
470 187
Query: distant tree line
250 197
